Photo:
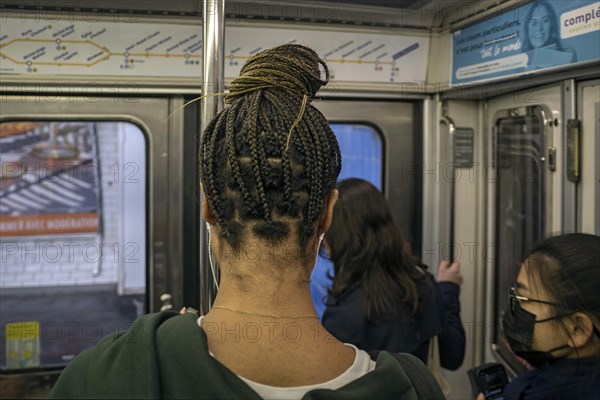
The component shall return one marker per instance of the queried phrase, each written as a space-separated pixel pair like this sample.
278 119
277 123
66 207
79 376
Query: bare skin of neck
268 330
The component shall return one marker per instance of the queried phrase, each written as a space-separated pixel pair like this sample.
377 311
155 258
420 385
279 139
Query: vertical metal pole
213 81
569 192
451 131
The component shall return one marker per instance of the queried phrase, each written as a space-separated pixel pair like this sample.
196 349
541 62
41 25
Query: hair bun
291 67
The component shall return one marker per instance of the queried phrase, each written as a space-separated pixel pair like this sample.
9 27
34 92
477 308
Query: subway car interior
484 140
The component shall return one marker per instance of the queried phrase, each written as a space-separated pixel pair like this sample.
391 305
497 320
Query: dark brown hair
568 268
366 247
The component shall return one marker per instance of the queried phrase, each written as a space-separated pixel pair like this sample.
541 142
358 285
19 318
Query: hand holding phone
489 380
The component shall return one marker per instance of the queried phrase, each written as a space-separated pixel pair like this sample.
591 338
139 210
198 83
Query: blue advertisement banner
537 36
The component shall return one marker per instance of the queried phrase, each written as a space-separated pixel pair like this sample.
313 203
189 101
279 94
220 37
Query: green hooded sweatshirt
165 355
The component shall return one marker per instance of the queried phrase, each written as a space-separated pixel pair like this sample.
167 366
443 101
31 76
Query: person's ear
332 198
205 210
580 328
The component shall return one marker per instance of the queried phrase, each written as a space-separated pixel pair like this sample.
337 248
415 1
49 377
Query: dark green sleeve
121 365
72 383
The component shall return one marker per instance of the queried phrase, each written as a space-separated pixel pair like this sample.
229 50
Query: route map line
110 54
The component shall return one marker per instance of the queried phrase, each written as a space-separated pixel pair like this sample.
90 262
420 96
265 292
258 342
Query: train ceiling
416 14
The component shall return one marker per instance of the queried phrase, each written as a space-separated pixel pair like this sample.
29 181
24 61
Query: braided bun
291 67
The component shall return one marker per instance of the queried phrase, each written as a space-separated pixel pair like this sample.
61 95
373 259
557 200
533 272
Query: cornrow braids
279 150
258 154
269 160
210 186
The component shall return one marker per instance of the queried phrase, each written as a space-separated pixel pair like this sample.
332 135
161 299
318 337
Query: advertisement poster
540 35
49 179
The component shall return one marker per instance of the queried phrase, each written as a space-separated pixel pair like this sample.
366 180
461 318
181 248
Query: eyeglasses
514 299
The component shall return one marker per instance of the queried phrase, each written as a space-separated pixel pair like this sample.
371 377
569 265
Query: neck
585 352
280 299
261 283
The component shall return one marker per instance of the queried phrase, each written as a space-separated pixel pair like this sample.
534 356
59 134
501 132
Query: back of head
568 268
367 249
269 160
361 219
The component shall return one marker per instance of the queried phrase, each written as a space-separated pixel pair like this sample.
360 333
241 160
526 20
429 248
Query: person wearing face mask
553 320
381 298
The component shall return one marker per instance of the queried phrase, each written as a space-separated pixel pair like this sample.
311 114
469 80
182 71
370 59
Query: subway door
377 142
528 194
455 176
90 203
586 157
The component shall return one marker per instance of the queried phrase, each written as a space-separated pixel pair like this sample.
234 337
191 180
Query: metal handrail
213 82
451 130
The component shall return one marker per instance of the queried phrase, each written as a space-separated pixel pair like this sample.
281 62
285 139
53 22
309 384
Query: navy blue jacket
344 317
564 379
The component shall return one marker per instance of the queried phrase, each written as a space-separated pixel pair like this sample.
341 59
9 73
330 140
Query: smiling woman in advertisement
542 39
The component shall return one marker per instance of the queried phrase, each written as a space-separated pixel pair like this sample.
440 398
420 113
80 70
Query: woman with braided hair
268 164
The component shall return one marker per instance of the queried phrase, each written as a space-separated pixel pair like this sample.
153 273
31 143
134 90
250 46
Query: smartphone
489 379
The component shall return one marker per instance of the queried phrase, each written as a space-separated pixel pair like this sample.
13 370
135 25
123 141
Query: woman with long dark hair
381 298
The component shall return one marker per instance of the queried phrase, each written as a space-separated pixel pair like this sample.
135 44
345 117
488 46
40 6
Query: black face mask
518 327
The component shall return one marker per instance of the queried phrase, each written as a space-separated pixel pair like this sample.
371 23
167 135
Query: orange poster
48 224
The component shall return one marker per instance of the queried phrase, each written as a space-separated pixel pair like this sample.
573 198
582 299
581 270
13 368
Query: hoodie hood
165 355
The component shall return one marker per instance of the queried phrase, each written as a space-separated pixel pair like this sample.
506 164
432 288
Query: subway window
72 237
361 146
